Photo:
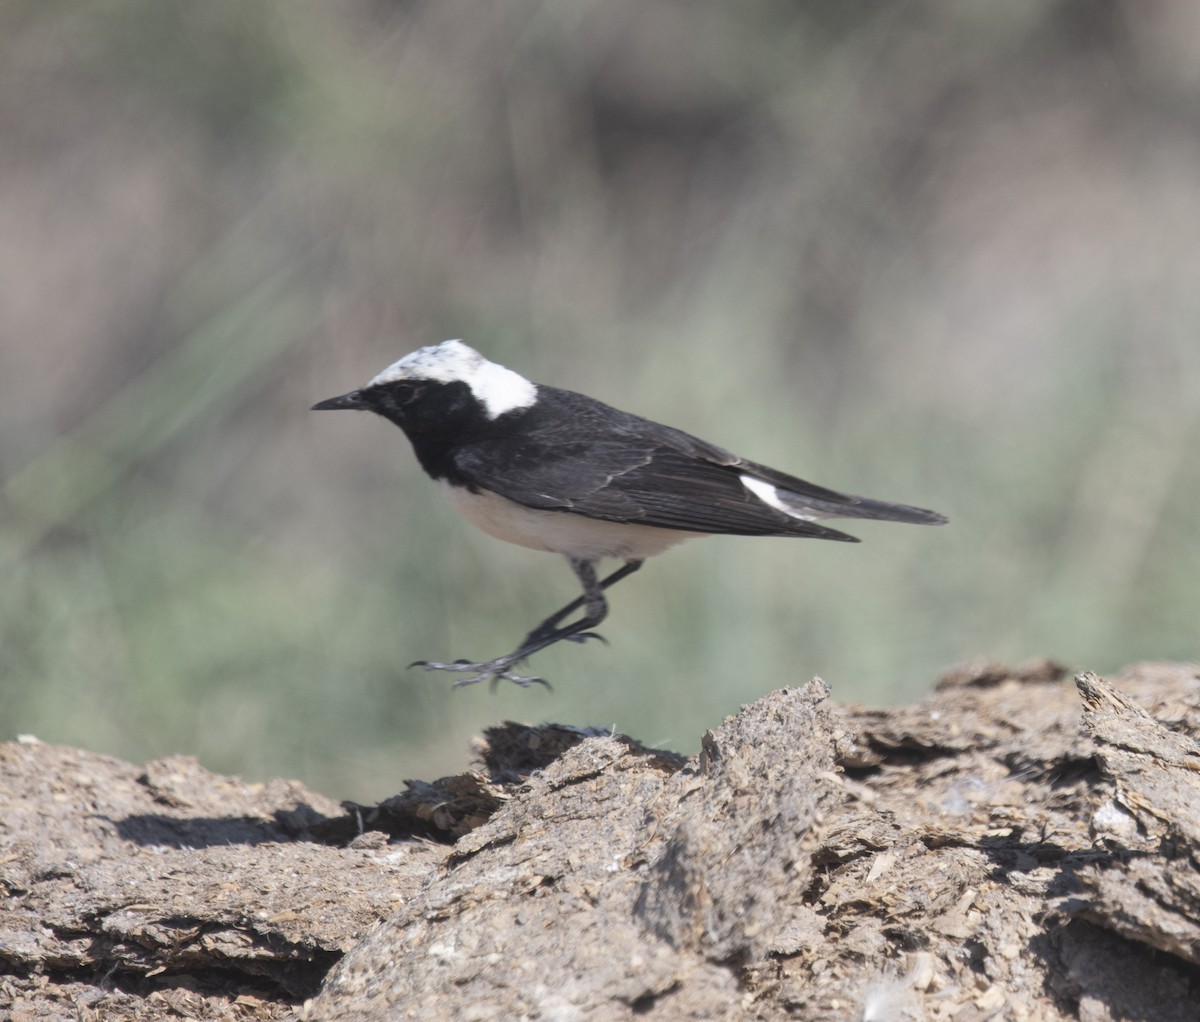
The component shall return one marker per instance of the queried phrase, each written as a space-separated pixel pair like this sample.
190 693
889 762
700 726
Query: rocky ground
1020 845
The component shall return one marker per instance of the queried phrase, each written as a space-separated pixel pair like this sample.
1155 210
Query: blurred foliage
940 252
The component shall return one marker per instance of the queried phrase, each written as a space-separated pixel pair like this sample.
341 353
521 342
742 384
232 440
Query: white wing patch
499 390
769 495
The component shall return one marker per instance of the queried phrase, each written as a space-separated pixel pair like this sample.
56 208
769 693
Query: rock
999 850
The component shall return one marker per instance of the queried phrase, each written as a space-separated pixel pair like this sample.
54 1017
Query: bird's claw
494 671
584 636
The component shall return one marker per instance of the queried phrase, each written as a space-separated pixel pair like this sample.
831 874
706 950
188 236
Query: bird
558 471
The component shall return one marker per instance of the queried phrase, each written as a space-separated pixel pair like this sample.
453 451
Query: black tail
864 507
805 498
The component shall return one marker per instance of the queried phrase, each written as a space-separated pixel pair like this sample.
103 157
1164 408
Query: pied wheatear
554 470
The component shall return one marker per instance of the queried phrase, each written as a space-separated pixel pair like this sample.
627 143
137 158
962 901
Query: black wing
580 455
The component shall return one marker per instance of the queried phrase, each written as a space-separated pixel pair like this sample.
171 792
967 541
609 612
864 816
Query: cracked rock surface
1019 845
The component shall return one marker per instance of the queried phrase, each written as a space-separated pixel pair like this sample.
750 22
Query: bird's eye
403 393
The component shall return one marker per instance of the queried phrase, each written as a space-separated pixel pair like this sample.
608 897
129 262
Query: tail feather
846 506
808 500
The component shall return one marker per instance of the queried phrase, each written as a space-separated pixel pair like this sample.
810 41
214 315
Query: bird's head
444 387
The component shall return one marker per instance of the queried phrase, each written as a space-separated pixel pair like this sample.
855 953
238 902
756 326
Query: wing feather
582 456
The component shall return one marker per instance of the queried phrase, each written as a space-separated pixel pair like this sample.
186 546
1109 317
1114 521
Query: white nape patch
499 390
560 532
769 495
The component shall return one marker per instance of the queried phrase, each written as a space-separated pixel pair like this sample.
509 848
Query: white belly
560 532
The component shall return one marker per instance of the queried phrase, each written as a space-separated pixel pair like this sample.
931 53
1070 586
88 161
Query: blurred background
945 252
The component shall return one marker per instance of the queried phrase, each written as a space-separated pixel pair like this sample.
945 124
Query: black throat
440 419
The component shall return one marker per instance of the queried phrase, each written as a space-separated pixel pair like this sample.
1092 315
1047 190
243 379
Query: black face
394 400
422 408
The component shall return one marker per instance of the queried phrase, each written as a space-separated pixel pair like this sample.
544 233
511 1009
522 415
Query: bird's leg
547 627
548 632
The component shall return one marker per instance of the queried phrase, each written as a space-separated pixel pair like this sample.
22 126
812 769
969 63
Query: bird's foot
493 671
547 635
584 636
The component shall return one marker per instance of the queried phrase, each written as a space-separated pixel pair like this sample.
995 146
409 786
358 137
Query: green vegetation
941 253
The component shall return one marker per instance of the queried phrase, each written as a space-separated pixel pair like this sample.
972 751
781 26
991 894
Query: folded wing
619 467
